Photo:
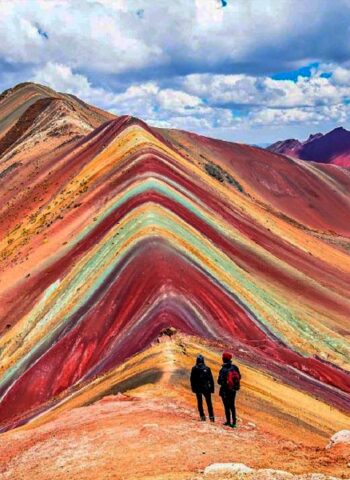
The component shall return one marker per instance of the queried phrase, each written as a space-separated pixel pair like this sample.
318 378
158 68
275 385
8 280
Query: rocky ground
123 437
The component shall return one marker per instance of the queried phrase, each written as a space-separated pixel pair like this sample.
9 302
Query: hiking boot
227 424
203 419
233 425
212 419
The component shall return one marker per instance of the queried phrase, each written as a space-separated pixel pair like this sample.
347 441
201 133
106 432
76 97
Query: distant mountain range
332 147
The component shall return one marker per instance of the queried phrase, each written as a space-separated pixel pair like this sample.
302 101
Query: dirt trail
122 437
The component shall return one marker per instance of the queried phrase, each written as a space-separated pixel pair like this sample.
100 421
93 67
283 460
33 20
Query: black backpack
204 378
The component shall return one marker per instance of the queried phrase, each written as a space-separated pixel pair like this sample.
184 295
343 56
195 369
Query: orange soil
128 437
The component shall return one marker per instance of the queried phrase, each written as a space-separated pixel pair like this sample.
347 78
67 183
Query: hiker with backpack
229 381
202 384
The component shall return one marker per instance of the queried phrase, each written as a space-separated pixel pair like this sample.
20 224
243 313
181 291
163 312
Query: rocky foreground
123 437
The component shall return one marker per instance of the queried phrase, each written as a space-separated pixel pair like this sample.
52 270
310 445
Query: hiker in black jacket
229 381
202 383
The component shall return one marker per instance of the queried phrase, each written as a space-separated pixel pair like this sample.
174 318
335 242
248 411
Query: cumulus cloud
264 91
60 77
322 96
187 35
171 108
159 106
81 34
206 102
179 102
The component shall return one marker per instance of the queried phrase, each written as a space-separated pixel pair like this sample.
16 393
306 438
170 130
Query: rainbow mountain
114 233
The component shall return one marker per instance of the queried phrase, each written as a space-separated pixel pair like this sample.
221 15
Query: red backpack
233 379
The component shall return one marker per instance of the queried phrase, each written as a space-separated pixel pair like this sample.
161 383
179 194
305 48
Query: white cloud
265 91
171 108
203 102
341 76
88 35
60 77
178 102
162 107
191 35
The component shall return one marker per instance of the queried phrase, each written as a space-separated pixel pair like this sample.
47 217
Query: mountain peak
332 147
27 86
31 112
339 131
314 136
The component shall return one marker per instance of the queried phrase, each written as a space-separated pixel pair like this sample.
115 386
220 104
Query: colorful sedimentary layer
130 230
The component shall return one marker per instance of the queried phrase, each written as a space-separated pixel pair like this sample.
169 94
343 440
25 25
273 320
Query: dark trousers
207 397
228 399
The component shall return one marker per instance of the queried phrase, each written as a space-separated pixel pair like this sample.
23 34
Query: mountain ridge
332 147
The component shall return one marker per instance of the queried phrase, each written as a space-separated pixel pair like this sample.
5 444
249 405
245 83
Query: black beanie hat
200 359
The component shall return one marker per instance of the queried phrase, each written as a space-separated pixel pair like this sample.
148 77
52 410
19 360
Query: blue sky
253 71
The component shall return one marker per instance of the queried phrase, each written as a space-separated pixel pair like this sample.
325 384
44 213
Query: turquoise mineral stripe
183 198
103 260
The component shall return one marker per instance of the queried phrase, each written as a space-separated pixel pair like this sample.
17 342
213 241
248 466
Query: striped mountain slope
131 230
